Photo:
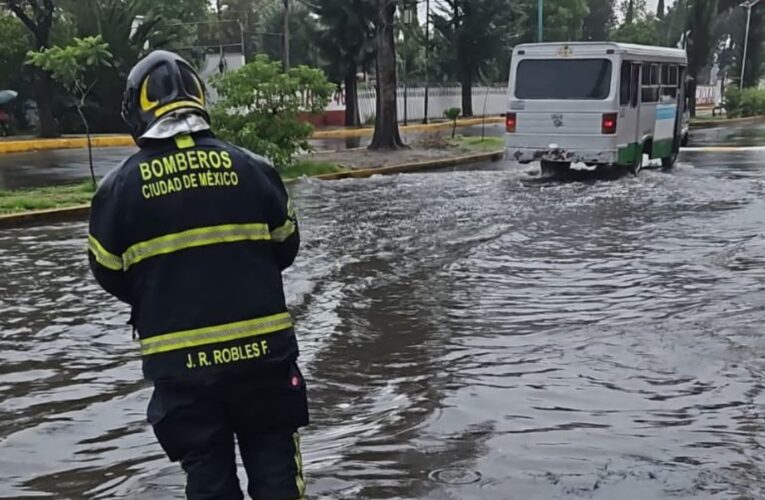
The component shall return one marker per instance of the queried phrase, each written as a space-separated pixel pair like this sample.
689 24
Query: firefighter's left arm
282 222
105 239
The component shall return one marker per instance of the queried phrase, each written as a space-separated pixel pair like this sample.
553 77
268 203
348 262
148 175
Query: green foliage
452 114
345 35
701 21
68 64
14 44
310 168
564 19
476 31
643 31
599 21
410 48
260 107
746 102
22 200
303 34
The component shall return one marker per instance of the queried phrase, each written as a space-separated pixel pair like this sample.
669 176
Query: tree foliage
260 106
69 65
14 45
37 16
564 20
644 31
346 41
599 20
476 33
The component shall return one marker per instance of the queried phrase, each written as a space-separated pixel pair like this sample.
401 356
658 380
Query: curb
30 145
44 216
82 211
702 124
363 132
412 167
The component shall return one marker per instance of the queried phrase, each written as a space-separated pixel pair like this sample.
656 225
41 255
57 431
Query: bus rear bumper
567 155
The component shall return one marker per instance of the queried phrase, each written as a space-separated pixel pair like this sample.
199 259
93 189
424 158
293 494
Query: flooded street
474 334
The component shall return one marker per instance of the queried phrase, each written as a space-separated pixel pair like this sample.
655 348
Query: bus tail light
608 125
510 123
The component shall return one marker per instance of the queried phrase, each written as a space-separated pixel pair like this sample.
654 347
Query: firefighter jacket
194 234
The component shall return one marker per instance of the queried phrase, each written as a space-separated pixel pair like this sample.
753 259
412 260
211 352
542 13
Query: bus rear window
563 79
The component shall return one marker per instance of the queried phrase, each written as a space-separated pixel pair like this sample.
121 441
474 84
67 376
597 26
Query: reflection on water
467 335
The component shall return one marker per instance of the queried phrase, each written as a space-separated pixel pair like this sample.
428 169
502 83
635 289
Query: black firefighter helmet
158 84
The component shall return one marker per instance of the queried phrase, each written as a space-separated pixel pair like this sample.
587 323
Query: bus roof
589 49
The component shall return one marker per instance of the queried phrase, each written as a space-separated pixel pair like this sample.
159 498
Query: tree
453 114
564 19
260 106
660 9
346 40
131 28
13 48
303 34
37 16
68 65
410 48
599 20
754 51
386 136
475 31
643 31
700 23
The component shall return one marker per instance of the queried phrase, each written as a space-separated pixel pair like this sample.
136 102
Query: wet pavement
467 334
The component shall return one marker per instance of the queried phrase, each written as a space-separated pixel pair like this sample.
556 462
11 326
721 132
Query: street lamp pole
286 48
540 20
748 4
427 59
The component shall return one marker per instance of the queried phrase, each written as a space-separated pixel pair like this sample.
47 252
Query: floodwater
466 335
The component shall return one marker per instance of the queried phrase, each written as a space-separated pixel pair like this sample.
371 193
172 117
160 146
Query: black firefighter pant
196 424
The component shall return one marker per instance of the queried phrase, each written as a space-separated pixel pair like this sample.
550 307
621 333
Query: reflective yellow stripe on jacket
201 236
103 257
198 237
216 334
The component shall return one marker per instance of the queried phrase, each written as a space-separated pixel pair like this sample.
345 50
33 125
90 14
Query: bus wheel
637 163
668 162
554 168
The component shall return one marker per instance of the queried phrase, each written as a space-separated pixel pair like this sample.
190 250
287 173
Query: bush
452 114
260 106
743 103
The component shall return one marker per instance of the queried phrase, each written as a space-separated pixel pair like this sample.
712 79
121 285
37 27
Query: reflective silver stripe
216 334
198 237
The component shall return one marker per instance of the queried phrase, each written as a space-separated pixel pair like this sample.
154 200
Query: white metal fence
411 100
486 100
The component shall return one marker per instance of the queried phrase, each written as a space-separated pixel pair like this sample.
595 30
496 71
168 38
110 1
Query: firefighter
194 233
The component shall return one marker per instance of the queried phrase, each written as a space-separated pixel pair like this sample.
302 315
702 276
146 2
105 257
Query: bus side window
668 86
635 87
648 90
624 84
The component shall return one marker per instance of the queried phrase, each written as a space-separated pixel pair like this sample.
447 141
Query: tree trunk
44 105
692 96
467 94
352 118
387 136
90 145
